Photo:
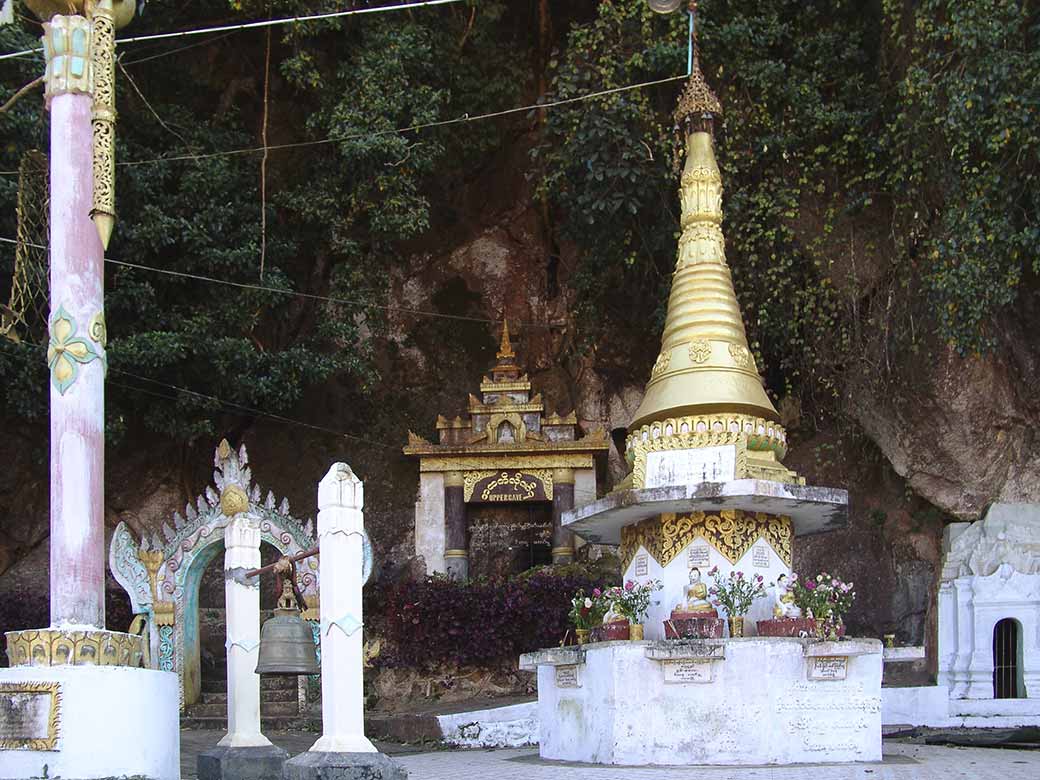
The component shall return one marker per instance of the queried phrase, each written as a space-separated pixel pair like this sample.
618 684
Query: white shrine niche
761 558
989 608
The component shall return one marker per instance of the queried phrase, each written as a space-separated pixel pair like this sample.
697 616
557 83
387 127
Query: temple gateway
493 488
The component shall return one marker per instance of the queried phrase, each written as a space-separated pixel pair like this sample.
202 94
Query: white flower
819 578
588 603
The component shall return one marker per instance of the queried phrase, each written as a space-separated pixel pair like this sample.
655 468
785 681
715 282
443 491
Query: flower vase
635 632
582 634
736 626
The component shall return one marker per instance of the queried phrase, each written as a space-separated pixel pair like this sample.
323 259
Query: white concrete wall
676 575
759 708
584 486
512 726
115 722
429 522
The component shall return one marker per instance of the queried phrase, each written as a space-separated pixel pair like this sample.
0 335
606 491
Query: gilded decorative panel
731 531
46 709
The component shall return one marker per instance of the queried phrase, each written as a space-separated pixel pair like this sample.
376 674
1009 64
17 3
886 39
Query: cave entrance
509 538
1007 659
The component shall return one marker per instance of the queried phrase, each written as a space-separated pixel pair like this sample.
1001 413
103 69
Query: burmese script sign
829 667
642 565
687 670
691 467
760 556
510 486
29 716
699 555
567 676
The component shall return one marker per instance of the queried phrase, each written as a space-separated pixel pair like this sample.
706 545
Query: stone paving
902 761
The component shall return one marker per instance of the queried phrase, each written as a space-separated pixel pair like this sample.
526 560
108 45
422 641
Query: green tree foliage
966 154
870 152
338 208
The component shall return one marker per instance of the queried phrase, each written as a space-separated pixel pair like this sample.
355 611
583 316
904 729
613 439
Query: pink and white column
76 352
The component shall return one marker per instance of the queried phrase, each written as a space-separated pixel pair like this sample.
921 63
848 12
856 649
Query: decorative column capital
67 48
243 530
563 476
341 488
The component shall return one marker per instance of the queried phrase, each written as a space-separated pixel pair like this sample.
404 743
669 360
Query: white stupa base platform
112 721
752 701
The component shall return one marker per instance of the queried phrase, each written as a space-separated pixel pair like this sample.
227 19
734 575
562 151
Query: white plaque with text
687 670
567 676
760 556
642 566
828 667
691 467
30 715
699 555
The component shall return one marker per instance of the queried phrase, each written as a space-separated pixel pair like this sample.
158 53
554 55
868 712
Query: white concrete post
242 600
947 633
965 638
340 526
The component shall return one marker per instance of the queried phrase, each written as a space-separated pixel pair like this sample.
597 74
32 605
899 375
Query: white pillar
947 633
242 600
965 638
340 527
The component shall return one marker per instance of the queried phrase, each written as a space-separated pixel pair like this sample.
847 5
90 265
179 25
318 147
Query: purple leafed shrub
438 621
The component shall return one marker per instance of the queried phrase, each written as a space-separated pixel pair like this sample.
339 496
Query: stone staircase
279 706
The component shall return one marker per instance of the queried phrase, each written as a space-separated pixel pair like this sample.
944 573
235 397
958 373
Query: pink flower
740 575
714 570
629 585
597 592
810 585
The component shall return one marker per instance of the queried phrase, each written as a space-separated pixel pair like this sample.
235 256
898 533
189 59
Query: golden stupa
705 388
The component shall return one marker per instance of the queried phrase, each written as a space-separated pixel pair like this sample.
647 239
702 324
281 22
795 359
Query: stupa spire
705 365
505 349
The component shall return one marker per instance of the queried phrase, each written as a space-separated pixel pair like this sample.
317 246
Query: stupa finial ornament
505 349
698 99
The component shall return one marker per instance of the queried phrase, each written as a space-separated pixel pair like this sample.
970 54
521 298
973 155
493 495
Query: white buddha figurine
784 606
695 597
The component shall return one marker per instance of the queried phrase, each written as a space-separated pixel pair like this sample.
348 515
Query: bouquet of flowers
633 600
587 611
825 598
736 592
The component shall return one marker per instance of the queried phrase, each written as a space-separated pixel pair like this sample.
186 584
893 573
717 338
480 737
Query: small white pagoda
707 493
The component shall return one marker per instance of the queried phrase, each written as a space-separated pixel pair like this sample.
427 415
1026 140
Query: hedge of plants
436 621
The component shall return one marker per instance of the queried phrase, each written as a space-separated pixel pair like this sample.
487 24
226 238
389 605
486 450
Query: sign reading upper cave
690 467
509 486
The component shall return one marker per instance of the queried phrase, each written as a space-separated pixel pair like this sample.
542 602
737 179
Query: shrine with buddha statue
708 495
495 484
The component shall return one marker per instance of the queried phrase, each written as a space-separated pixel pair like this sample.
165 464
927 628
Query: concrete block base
242 763
111 721
342 766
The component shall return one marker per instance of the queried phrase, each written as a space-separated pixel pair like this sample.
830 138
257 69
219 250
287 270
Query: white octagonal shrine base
109 721
747 701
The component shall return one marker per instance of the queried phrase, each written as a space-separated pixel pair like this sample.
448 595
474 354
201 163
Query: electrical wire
407 129
213 398
296 293
254 25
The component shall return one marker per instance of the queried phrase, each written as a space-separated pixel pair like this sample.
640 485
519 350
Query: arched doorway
163 574
211 615
1007 659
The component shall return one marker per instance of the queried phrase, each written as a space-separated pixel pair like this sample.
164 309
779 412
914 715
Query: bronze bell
286 641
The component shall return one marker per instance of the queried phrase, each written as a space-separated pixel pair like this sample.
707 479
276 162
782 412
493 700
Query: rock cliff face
961 437
964 434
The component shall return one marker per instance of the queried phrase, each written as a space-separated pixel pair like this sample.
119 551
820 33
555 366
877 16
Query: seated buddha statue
784 606
695 597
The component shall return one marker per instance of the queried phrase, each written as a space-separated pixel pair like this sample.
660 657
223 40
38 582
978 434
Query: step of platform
267 724
274 694
273 708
